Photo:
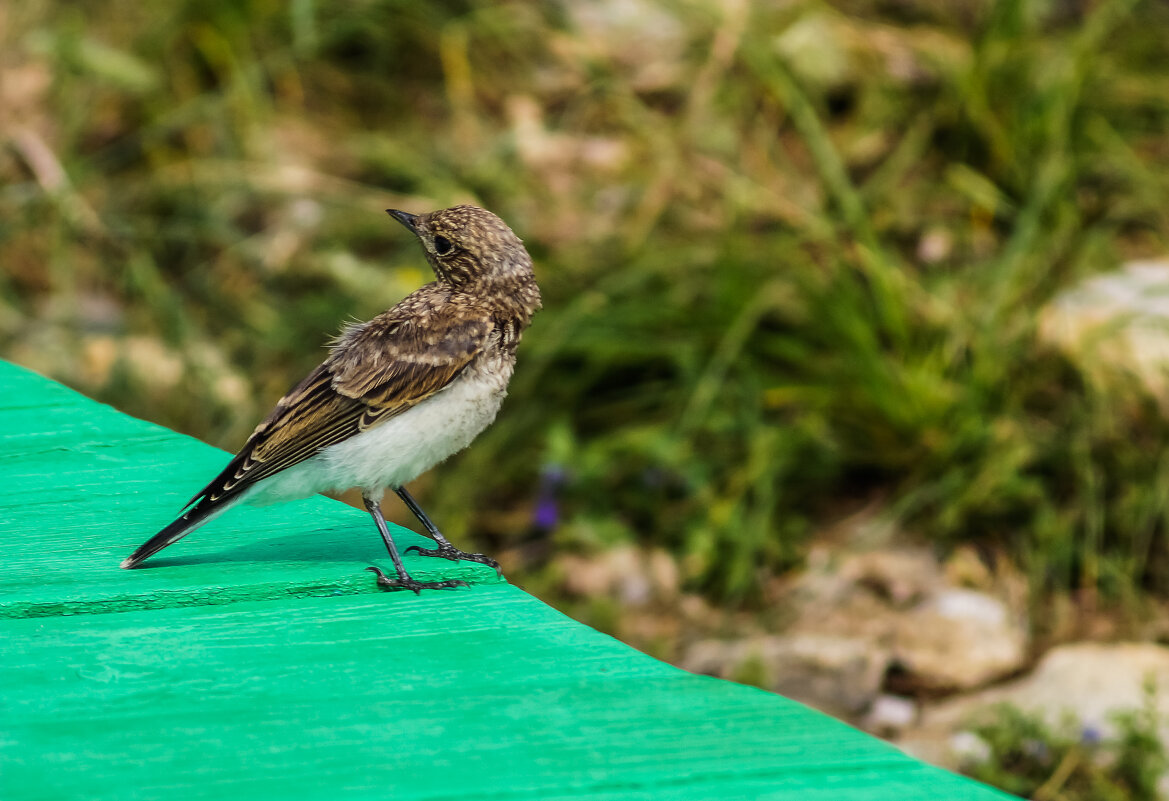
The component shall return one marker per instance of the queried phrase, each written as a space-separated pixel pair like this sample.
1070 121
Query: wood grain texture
217 675
82 485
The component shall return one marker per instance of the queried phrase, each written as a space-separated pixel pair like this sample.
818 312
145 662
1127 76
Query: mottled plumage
437 365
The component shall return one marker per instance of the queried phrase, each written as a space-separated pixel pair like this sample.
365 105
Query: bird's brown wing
376 370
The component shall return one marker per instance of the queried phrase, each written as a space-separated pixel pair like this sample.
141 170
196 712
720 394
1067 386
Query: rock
854 595
1093 681
643 38
970 749
1116 326
838 675
663 574
635 576
881 621
965 568
898 575
958 639
941 638
890 714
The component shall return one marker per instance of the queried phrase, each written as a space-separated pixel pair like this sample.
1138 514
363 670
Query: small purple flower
1090 735
546 515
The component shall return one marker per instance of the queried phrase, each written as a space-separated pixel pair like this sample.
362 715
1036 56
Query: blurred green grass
792 253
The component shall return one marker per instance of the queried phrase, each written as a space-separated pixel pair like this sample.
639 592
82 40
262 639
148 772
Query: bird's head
468 245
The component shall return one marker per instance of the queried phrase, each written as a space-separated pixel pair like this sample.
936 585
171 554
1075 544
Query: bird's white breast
402 448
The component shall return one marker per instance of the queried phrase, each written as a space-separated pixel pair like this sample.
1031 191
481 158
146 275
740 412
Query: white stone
890 714
838 675
970 606
1092 681
967 747
959 639
1116 325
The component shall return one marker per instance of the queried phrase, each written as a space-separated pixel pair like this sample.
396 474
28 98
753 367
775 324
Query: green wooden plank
81 485
217 674
481 694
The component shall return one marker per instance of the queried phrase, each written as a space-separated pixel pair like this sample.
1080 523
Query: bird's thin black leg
444 550
403 581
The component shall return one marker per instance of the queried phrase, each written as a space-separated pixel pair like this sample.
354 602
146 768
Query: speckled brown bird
397 394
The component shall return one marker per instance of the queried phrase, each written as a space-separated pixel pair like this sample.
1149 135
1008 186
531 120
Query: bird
396 395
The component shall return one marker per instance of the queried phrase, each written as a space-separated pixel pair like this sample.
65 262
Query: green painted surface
217 674
82 485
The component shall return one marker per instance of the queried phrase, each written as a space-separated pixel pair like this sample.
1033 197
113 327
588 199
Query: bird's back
398 394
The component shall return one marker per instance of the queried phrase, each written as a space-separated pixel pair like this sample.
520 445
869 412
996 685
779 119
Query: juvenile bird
397 394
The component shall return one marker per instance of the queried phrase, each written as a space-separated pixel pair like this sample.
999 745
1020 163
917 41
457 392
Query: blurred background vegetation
794 254
798 258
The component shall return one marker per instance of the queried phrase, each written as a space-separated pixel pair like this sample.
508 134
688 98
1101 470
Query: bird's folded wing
376 370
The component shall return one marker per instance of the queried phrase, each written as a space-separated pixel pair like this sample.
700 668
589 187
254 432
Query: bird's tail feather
201 513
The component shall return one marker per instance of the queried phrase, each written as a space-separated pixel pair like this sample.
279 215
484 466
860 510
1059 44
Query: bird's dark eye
442 245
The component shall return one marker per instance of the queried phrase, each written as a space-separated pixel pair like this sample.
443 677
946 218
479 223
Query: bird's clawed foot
447 551
406 583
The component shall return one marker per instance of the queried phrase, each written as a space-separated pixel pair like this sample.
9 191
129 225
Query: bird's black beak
407 219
